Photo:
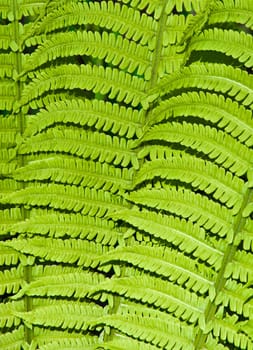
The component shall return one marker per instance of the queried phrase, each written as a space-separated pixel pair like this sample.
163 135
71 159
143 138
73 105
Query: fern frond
104 116
227 114
236 296
61 281
6 35
85 342
231 43
174 29
57 225
7 318
167 264
8 93
209 76
71 251
221 148
82 143
163 334
113 49
30 8
240 267
189 237
11 280
237 11
200 174
71 198
7 64
9 217
12 340
76 171
124 20
50 339
117 84
67 315
120 342
230 329
189 205
159 293
246 236
8 256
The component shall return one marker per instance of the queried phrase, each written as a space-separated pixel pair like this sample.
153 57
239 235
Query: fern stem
24 212
221 280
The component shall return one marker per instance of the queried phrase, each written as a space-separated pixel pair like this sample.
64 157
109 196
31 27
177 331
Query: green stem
24 212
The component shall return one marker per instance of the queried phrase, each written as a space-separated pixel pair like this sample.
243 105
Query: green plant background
126 174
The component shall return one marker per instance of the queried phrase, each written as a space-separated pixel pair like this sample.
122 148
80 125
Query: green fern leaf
191 206
56 225
200 174
80 252
76 171
212 77
104 116
11 280
165 263
12 340
70 198
218 146
85 144
112 16
232 43
187 236
225 113
67 315
232 11
161 294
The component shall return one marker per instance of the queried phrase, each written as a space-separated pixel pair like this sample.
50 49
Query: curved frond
159 293
63 282
71 198
113 49
225 113
104 116
189 237
237 11
236 44
50 339
189 205
163 334
8 256
212 77
9 217
80 252
7 317
60 225
106 14
230 329
117 84
218 146
166 263
82 143
67 315
200 174
75 171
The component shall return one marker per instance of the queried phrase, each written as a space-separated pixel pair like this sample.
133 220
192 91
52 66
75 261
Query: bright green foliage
126 175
